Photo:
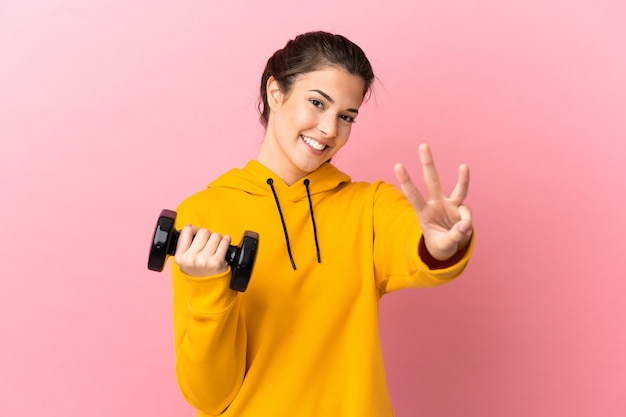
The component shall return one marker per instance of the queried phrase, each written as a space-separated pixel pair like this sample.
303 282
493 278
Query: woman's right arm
210 335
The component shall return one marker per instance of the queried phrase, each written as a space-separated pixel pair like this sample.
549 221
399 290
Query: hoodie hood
256 179
253 180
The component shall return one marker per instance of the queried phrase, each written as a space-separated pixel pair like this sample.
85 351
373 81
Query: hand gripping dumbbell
239 258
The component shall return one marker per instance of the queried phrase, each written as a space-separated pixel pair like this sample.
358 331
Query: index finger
408 188
185 237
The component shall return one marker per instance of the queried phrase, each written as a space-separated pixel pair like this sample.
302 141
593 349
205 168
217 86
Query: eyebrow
330 99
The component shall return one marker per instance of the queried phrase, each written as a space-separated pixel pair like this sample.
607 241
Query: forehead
339 84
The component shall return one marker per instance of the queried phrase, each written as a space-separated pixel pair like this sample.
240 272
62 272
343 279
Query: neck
271 159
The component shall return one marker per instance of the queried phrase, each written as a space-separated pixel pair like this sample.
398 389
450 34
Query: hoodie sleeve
397 236
209 336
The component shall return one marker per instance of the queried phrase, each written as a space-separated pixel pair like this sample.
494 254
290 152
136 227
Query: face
310 123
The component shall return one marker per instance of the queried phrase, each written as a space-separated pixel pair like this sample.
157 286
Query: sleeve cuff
433 263
210 295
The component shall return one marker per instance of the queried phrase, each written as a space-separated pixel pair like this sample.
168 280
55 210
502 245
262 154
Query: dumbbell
240 258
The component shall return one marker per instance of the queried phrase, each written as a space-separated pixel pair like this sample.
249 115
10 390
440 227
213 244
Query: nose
328 125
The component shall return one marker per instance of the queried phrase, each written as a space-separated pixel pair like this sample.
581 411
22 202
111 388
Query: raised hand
446 222
200 253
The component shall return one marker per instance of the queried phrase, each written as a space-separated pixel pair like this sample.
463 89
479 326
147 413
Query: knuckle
202 232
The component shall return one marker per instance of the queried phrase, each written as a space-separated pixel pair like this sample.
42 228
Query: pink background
111 110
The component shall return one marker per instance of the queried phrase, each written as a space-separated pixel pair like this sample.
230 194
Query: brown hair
309 52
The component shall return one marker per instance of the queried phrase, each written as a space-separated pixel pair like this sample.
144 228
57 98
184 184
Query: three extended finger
408 188
461 188
429 172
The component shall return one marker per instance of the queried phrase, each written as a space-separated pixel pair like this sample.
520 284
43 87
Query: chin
307 168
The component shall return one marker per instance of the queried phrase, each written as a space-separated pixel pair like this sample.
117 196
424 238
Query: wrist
435 263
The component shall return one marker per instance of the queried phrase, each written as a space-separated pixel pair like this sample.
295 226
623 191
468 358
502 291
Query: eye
347 118
317 103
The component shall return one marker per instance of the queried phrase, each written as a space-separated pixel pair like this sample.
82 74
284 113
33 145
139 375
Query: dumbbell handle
231 253
240 258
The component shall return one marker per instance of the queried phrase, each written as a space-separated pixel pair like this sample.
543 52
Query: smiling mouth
313 143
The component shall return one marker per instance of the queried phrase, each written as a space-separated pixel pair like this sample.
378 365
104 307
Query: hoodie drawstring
308 194
270 182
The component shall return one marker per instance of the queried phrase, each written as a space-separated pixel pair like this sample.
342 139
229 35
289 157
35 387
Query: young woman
303 340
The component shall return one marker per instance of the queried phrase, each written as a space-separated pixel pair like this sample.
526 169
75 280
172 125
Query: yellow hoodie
303 340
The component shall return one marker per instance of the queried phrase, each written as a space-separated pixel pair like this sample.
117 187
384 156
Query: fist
201 253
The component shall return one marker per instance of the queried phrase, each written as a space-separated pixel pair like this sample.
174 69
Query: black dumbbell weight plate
163 241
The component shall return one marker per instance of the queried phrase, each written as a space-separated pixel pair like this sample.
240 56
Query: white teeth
313 143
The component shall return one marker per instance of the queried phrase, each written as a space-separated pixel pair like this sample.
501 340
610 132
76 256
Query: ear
274 95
